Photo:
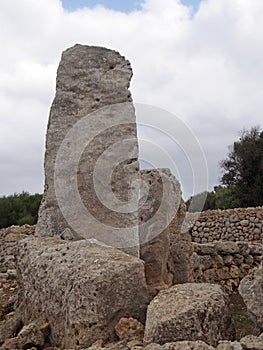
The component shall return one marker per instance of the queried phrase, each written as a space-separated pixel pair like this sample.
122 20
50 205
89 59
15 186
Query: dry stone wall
225 263
240 224
8 238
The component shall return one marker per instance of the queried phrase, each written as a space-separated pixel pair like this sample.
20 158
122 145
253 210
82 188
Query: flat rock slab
81 288
190 311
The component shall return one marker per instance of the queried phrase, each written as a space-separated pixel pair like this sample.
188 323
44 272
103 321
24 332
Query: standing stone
181 248
91 150
81 288
155 214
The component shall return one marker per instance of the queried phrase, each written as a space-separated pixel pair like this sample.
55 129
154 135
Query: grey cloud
206 69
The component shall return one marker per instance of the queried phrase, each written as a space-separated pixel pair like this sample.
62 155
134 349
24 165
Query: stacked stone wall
241 224
225 263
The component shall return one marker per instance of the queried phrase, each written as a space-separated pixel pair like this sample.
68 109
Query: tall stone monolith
91 157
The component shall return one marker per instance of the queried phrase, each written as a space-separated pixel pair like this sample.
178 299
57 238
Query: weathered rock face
80 288
8 238
90 79
251 342
181 248
189 311
251 290
155 214
29 336
129 329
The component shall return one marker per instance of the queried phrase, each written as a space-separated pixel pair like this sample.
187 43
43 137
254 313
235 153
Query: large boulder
251 290
80 288
189 311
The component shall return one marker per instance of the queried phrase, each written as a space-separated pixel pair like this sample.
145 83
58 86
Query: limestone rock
251 290
189 311
10 327
181 248
182 254
129 328
80 288
69 235
227 248
29 336
155 214
252 343
225 345
92 111
180 345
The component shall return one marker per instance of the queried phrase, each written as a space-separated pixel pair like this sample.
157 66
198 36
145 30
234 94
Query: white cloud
206 69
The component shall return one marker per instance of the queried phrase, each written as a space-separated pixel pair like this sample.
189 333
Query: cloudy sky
202 61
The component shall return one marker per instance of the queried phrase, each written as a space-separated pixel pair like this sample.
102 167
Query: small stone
45 329
249 260
234 271
98 343
228 259
134 343
238 259
244 222
226 248
69 235
130 329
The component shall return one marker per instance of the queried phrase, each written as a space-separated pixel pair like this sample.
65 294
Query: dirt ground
243 325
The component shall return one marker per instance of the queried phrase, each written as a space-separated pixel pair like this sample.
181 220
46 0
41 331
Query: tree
243 169
19 209
220 198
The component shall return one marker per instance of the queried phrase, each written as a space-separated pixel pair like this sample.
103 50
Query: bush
19 209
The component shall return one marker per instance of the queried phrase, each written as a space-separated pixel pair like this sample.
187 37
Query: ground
243 325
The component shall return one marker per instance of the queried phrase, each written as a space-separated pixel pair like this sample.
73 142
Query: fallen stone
252 342
190 311
69 235
45 329
251 290
29 336
10 327
80 288
225 345
130 329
